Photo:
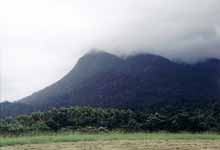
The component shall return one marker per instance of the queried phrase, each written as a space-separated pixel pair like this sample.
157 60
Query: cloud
40 41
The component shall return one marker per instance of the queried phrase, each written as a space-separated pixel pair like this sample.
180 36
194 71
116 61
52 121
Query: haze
41 40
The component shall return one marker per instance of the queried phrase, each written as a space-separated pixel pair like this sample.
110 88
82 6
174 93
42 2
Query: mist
40 41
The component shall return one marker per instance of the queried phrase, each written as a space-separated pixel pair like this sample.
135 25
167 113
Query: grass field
114 140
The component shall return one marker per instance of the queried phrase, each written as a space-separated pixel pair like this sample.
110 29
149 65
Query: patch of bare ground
124 145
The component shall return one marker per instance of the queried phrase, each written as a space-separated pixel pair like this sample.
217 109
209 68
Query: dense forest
172 118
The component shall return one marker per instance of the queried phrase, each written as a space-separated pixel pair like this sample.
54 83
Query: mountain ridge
101 79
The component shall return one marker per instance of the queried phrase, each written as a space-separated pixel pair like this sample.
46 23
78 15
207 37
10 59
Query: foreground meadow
116 141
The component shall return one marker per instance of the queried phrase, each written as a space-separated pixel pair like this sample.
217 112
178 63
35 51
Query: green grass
75 137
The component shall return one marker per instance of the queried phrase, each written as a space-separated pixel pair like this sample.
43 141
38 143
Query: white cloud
40 40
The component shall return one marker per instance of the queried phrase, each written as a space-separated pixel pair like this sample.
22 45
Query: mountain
13 109
101 79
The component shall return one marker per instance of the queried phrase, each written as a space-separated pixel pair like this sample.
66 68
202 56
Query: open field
116 141
124 145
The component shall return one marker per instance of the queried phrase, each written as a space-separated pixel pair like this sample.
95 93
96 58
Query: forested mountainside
100 79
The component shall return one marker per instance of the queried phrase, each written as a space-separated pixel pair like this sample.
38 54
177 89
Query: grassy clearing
113 136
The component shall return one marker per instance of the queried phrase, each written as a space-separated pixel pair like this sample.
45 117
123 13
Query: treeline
167 118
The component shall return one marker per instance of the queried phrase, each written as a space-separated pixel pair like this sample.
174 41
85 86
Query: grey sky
40 40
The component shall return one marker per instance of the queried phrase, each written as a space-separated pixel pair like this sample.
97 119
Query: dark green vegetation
182 117
103 80
76 137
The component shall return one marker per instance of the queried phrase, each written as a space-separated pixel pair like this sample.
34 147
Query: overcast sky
41 40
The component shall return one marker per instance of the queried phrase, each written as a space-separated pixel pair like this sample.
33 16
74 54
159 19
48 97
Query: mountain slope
102 79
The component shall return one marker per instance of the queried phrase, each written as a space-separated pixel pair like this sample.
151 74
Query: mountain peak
97 55
148 56
105 80
213 60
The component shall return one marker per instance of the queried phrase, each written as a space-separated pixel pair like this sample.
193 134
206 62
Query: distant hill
101 79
